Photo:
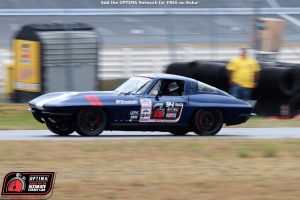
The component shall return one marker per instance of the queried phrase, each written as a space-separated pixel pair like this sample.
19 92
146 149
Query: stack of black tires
278 88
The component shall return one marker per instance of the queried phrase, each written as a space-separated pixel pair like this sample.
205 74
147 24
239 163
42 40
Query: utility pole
170 36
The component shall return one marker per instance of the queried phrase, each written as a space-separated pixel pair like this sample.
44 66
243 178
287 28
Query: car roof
166 76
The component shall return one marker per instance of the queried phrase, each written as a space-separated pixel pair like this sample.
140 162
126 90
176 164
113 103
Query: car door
127 102
127 108
160 107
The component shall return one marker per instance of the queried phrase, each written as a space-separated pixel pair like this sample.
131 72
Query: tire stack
279 83
210 72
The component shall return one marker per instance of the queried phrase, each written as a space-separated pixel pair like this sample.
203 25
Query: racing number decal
168 112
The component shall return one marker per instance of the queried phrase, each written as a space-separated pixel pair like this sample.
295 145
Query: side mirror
159 94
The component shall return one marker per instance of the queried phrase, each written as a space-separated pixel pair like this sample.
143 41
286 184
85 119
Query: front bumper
248 115
42 116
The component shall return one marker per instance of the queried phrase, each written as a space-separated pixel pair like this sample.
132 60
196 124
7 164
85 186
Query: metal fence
125 62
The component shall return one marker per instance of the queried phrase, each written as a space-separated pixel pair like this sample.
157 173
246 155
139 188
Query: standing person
243 75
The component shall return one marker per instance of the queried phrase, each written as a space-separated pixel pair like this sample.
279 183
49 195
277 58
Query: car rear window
202 87
199 87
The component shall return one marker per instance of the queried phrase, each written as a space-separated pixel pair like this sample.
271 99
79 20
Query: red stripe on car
97 101
94 100
90 100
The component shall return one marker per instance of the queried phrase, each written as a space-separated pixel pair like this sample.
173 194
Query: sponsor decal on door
168 112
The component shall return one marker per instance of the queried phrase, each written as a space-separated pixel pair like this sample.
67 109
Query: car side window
199 87
168 87
193 88
202 87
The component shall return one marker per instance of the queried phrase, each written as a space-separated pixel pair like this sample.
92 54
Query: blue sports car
150 102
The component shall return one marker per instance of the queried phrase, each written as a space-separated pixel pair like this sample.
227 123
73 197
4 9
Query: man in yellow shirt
243 75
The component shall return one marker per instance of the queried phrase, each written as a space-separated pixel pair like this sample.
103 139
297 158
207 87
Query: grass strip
162 169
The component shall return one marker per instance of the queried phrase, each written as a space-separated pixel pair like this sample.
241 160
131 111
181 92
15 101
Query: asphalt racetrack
247 133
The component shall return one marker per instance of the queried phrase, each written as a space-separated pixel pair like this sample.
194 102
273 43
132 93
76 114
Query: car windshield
134 85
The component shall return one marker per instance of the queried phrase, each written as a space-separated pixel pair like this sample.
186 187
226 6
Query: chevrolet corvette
149 102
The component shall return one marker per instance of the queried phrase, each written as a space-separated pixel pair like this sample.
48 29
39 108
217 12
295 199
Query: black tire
179 133
294 105
181 68
90 122
212 73
276 81
208 122
61 129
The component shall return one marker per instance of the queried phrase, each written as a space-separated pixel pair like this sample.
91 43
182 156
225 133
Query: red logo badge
28 185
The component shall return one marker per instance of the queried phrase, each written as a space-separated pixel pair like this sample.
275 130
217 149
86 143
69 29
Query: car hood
58 98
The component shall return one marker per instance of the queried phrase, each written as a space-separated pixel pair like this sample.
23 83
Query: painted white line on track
225 133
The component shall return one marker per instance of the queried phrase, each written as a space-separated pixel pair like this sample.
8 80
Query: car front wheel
61 129
90 122
208 122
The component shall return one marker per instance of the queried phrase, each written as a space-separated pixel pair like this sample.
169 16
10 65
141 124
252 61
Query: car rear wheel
90 122
59 128
208 122
179 133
